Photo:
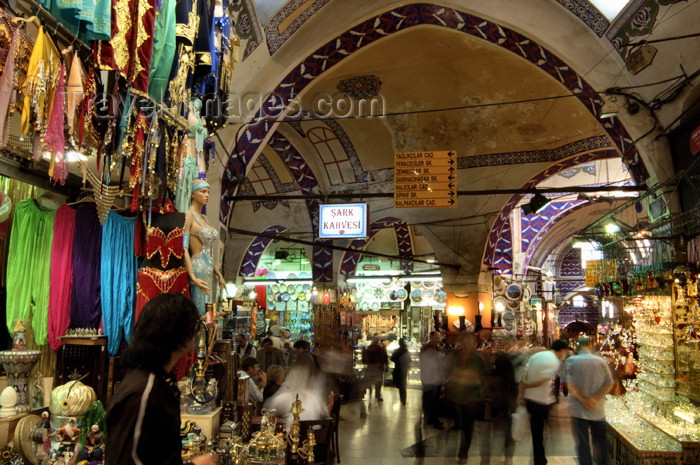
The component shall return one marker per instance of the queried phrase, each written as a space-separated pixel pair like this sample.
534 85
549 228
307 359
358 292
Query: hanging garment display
61 274
28 267
118 279
86 308
86 19
163 270
164 45
183 193
39 88
8 96
54 139
131 45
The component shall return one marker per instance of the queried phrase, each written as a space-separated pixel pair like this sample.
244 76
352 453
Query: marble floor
385 433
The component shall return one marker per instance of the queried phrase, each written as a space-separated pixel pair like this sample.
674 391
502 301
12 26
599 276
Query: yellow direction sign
425 179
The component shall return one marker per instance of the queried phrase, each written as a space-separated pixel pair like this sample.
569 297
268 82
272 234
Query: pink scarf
54 137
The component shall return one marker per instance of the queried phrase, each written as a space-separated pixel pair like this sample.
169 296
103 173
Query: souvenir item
441 297
416 296
401 294
514 292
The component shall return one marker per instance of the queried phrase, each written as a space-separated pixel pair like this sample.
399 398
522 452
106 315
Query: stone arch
348 264
399 19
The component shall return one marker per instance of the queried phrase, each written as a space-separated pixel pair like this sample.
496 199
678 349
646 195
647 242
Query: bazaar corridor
384 433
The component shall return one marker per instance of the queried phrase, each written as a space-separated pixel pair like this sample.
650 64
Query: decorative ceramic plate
293 296
441 297
429 284
291 289
271 306
526 293
364 306
291 276
514 292
270 296
379 293
375 306
285 296
292 305
401 294
416 296
302 296
508 316
283 287
306 287
428 295
275 288
509 326
303 306
514 305
304 275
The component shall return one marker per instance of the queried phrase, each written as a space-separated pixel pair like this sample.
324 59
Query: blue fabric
118 277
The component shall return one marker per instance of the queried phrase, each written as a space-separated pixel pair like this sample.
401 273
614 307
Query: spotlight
537 204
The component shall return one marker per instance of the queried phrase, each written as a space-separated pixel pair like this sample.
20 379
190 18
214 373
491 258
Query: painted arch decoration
348 264
252 256
386 24
499 246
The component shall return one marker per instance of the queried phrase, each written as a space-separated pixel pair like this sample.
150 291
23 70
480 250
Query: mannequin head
200 192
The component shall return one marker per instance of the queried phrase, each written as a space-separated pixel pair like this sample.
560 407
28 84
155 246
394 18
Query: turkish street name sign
425 179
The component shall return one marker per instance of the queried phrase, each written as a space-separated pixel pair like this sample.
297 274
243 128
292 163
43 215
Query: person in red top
377 361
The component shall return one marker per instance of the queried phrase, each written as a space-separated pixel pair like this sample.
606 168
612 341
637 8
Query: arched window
333 155
260 179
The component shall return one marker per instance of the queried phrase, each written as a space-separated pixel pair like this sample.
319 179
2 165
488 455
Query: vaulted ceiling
515 93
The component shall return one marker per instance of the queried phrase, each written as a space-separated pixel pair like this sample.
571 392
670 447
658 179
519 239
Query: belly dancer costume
163 270
203 266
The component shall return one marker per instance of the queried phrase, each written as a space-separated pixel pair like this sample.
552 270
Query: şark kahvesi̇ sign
343 221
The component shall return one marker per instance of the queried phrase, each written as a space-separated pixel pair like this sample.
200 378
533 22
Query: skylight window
610 8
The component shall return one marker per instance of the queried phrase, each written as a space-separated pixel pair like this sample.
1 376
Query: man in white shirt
255 379
432 377
536 392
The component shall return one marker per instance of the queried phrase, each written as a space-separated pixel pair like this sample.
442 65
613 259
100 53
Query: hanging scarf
7 92
54 138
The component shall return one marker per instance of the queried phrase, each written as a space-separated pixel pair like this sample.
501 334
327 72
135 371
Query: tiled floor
376 433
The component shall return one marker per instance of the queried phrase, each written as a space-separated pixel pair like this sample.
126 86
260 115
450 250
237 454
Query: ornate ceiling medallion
360 87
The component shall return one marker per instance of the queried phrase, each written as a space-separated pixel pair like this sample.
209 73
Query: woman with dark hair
143 417
402 362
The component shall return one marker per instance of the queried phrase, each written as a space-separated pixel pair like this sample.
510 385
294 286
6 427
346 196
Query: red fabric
143 45
170 244
153 282
61 275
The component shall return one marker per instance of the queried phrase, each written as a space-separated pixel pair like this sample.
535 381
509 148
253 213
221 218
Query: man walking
536 392
432 377
588 379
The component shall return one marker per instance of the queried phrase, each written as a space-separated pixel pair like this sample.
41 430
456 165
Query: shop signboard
343 221
536 303
425 179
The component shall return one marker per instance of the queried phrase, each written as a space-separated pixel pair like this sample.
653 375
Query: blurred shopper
536 392
402 363
432 377
466 388
502 395
275 378
589 379
377 362
269 355
305 381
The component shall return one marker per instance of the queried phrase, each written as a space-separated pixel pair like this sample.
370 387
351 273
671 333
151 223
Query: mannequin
200 237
